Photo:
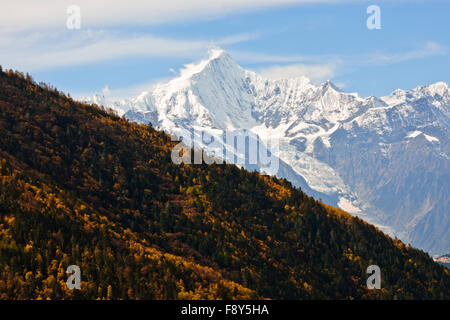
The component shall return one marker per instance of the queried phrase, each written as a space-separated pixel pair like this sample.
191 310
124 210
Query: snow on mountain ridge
313 124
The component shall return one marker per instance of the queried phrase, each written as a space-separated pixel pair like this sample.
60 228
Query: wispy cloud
324 67
316 73
33 37
38 51
119 93
33 34
32 14
430 49
261 57
377 58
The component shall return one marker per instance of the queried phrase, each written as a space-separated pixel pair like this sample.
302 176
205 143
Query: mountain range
82 186
384 159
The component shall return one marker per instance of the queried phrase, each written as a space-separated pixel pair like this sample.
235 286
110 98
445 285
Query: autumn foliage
80 185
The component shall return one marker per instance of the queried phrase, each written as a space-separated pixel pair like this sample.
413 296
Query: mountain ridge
314 124
80 185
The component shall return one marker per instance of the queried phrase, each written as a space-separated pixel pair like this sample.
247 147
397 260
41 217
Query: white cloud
33 34
46 50
341 85
324 67
316 73
32 14
428 50
260 57
123 92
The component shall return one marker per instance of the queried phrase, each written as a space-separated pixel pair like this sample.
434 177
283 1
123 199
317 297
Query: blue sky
123 48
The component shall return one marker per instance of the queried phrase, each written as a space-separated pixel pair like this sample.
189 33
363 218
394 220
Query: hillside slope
79 185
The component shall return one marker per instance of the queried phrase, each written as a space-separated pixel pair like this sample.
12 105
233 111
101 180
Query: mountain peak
437 88
217 59
217 53
329 85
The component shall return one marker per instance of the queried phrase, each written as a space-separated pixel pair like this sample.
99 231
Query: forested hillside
79 185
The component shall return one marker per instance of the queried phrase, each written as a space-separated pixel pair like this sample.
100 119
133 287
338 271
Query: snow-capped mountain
383 159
